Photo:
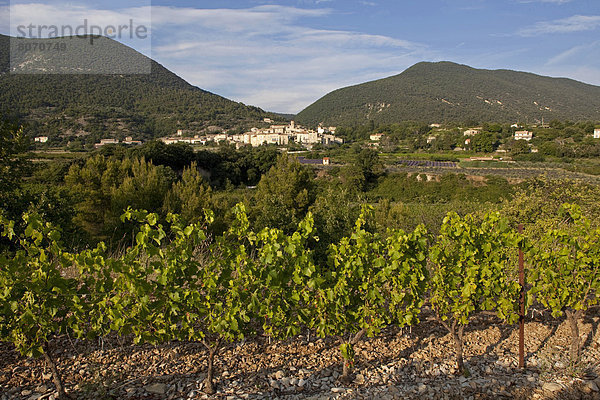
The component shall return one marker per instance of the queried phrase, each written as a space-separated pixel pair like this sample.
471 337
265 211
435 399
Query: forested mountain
56 95
448 92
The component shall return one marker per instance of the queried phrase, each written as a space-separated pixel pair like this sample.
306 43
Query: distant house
104 142
169 140
218 138
129 141
41 139
597 133
523 135
435 125
270 138
331 139
280 128
471 132
430 139
376 137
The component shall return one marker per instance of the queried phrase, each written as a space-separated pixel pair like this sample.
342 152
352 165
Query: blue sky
283 55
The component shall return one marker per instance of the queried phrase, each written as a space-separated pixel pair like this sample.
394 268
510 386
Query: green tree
485 142
13 164
13 168
144 188
104 188
91 185
175 156
284 195
189 197
519 147
369 164
335 212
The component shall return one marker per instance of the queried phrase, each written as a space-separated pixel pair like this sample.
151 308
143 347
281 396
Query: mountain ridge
67 104
450 92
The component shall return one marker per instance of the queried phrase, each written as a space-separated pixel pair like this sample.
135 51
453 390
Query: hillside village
279 135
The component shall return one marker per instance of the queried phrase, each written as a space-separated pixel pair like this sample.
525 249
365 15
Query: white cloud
277 57
580 54
269 56
576 23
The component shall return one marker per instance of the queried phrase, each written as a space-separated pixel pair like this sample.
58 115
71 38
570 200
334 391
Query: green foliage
176 282
189 196
284 195
444 91
566 270
225 307
369 283
535 204
485 142
143 187
36 301
335 211
469 273
469 268
447 188
13 165
245 166
518 147
103 188
364 170
282 274
176 156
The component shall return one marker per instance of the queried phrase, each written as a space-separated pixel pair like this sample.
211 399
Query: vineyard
239 295
514 173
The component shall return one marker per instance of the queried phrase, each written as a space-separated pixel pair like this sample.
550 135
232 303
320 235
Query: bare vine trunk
346 372
457 335
56 379
347 367
209 387
573 320
456 331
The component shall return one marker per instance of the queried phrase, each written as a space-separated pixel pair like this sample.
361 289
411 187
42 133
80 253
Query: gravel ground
412 363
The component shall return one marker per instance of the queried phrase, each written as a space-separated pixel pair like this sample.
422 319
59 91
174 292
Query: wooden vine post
521 305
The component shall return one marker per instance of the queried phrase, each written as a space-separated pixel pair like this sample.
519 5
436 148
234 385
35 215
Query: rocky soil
398 364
